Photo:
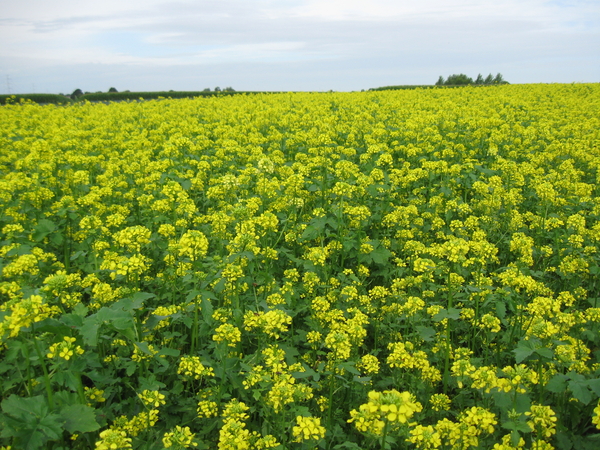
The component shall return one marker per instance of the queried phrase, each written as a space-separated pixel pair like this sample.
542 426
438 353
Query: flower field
411 269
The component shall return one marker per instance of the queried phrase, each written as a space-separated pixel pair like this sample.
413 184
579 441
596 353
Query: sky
57 46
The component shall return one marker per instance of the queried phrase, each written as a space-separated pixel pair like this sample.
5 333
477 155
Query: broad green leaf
564 441
594 385
557 384
580 391
500 310
89 330
452 314
43 229
26 408
516 425
545 352
523 351
380 255
28 421
426 333
79 418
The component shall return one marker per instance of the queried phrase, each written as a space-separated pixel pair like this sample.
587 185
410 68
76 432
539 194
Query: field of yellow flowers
411 269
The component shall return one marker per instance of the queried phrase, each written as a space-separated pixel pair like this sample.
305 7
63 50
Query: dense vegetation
394 269
463 80
37 98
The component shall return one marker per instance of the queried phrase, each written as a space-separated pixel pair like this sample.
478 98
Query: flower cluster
387 407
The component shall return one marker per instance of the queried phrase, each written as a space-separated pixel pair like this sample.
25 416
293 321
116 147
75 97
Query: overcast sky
148 45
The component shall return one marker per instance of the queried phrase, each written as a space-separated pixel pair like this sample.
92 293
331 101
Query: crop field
409 269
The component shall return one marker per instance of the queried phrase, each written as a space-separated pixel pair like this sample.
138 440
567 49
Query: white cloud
402 41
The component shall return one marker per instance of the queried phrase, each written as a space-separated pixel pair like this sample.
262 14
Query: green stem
29 377
447 361
45 369
385 432
195 329
80 390
330 400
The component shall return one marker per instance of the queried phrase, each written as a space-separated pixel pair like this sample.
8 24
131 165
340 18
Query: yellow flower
596 418
113 440
152 399
308 428
543 420
227 333
181 437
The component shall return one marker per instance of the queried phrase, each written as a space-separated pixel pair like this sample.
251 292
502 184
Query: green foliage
135 96
35 98
401 87
463 80
235 263
458 80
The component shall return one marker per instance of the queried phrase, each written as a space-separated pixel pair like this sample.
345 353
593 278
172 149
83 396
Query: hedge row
117 96
37 98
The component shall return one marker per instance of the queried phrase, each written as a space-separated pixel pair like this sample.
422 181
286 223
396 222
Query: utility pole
8 89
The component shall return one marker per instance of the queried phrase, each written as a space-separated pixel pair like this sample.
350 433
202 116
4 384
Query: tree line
79 93
462 79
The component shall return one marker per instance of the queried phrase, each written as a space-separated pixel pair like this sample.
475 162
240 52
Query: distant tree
462 80
499 79
458 80
76 93
206 90
217 89
229 89
112 89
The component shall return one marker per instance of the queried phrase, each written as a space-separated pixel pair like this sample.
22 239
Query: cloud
416 41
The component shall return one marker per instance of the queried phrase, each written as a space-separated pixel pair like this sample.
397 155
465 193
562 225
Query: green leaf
139 298
426 333
43 229
65 398
500 310
79 418
348 445
557 384
314 229
48 428
168 352
380 255
143 346
207 310
515 438
89 330
452 314
66 378
580 391
545 352
564 441
27 409
594 385
516 425
28 421
523 351
349 366
131 368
